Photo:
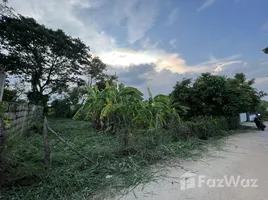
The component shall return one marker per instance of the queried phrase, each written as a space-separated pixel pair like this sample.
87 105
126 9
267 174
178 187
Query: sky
154 43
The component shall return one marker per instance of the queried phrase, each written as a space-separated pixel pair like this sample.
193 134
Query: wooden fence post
47 159
2 84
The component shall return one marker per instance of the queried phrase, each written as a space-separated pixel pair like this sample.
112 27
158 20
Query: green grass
73 177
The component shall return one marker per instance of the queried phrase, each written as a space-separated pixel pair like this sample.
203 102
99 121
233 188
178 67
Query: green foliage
10 95
47 59
213 95
96 76
119 107
14 94
265 50
2 116
263 110
203 127
2 109
70 104
23 176
61 108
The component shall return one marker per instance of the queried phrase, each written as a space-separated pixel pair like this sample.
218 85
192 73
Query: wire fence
47 151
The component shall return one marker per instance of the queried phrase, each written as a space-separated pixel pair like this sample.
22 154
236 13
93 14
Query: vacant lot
73 177
244 155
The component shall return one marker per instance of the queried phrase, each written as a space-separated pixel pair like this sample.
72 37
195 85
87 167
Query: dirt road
244 162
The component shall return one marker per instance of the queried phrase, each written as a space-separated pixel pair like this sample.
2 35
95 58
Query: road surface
239 172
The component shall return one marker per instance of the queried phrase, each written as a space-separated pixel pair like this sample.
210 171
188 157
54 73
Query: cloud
173 43
163 60
222 65
148 66
146 75
62 14
147 44
133 75
172 16
262 80
89 19
82 19
162 81
141 18
206 4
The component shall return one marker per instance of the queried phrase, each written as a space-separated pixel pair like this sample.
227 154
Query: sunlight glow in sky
168 39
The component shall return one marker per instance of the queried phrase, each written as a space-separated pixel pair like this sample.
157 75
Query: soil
244 158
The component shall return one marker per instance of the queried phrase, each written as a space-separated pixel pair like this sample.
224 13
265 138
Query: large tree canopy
217 95
48 59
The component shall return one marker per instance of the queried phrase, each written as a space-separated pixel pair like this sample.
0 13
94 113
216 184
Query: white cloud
140 20
62 14
173 43
206 4
222 65
163 60
87 19
147 44
259 81
172 16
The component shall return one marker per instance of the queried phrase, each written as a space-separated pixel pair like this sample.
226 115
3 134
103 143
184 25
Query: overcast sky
158 42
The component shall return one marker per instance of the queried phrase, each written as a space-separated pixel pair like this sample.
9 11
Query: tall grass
23 175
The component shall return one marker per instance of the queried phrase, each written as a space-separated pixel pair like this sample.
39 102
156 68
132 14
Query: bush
2 109
202 127
63 108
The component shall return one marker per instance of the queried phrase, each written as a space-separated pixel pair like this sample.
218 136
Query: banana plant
158 110
119 106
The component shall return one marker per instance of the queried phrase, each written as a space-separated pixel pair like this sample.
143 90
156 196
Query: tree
71 102
10 95
217 95
95 74
111 79
5 9
265 50
48 59
14 92
94 71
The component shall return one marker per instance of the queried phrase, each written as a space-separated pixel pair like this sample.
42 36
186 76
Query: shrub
2 109
63 108
202 127
179 130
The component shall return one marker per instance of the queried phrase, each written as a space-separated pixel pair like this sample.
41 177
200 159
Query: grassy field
70 176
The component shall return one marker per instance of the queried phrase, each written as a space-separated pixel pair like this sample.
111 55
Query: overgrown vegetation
49 60
23 175
214 95
69 104
2 109
119 131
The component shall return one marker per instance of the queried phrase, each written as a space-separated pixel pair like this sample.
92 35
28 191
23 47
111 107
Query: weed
114 168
